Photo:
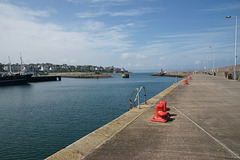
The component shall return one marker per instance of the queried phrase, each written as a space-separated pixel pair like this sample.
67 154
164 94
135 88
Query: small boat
125 75
14 79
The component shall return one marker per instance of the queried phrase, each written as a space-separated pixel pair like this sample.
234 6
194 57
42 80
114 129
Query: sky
138 35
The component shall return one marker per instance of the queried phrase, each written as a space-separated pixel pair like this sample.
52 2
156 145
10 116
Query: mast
21 61
10 69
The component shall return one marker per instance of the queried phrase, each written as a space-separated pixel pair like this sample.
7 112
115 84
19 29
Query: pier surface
204 124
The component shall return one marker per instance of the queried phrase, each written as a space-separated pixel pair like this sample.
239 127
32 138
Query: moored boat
14 78
125 75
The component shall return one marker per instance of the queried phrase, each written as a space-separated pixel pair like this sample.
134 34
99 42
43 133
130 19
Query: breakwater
179 74
223 72
84 75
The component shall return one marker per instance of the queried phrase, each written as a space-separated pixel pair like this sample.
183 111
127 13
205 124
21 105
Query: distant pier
83 75
173 73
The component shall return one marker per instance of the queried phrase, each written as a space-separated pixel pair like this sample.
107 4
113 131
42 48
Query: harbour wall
224 71
219 72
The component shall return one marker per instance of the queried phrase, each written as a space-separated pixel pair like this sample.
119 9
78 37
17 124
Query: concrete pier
204 124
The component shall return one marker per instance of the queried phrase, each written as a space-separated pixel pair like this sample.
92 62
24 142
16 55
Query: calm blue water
39 119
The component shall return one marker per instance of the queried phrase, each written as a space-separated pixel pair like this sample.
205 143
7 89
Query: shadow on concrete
172 117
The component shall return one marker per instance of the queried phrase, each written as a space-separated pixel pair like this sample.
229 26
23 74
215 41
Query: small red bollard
186 82
161 115
165 106
190 78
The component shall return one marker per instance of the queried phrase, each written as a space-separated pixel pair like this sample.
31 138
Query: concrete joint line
223 145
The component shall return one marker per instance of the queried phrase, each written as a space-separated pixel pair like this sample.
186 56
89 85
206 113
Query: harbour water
39 119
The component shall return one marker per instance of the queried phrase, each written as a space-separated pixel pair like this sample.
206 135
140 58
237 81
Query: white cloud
129 64
188 49
87 15
12 11
102 2
197 62
162 58
134 65
131 12
222 8
114 1
139 56
93 25
125 56
138 65
40 42
162 65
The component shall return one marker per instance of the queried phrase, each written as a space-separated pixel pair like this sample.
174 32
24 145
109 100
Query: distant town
44 68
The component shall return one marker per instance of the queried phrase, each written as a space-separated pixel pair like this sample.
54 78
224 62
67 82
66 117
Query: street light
235 69
213 69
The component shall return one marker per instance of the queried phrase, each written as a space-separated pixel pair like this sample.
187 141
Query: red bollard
161 115
186 82
165 106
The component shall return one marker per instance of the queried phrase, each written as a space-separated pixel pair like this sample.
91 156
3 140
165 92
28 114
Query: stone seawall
224 71
219 72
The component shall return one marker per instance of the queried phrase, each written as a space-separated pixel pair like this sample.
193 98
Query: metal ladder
175 80
137 97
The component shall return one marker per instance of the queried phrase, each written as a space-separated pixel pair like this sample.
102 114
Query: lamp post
235 68
213 69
